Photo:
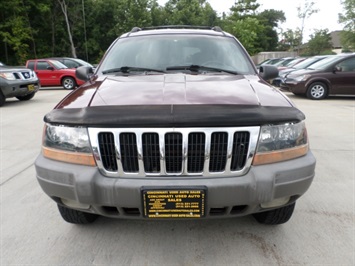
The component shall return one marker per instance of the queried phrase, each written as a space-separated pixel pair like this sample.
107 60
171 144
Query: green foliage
38 28
189 12
348 19
291 39
320 41
256 31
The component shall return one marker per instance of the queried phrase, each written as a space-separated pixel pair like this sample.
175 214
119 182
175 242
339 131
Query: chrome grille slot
196 152
219 145
151 152
129 153
107 151
240 150
173 153
169 152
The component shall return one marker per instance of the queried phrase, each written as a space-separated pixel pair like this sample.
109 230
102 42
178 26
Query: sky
326 18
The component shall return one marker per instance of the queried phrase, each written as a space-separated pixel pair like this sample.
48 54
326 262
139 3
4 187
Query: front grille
174 152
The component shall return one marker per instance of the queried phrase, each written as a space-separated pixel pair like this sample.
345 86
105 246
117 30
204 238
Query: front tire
2 99
26 97
277 216
317 91
68 83
76 217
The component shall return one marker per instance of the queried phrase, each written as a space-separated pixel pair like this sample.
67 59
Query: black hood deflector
138 116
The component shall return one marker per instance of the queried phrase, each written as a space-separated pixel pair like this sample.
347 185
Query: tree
348 19
291 39
319 43
256 31
303 14
268 38
189 12
64 8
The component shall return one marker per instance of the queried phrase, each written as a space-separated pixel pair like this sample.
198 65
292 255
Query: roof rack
214 28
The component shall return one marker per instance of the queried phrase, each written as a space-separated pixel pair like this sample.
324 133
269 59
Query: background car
300 65
53 73
270 61
72 62
334 75
16 82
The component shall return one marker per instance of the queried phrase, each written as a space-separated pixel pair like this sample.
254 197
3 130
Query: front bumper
19 87
226 196
294 87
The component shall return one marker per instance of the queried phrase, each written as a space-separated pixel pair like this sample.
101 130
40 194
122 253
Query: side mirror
84 72
267 72
50 68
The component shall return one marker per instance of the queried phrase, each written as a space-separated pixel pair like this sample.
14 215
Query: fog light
74 204
275 203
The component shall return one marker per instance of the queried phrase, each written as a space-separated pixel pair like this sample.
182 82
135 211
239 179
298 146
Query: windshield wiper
127 69
197 68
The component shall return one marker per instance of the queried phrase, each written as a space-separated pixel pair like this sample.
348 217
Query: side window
42 65
347 65
31 65
70 64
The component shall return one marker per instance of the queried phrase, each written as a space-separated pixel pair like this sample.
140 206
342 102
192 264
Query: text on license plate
170 203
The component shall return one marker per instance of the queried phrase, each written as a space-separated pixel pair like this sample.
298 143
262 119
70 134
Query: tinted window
31 65
42 65
347 65
325 62
70 63
163 51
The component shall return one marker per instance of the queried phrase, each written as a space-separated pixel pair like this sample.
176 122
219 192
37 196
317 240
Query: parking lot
321 231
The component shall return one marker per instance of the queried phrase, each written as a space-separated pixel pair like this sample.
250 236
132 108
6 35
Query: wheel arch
319 79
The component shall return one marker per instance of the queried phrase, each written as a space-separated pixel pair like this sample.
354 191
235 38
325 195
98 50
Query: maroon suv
175 123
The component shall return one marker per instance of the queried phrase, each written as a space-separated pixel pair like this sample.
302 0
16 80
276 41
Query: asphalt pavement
320 232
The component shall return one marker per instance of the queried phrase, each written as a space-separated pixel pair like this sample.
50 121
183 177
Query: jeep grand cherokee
175 123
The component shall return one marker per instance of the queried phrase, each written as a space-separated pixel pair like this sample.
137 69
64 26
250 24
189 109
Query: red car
53 73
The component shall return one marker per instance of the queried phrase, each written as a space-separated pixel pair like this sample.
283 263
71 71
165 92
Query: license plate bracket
174 203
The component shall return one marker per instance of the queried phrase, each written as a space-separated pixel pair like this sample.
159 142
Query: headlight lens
281 142
67 144
278 137
8 76
72 139
301 78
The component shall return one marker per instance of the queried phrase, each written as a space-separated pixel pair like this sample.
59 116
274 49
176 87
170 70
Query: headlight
8 76
301 78
68 144
281 142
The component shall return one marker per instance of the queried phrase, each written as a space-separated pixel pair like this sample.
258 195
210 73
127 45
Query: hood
174 100
13 69
175 89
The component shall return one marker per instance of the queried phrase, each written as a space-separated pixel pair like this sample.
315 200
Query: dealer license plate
31 87
174 203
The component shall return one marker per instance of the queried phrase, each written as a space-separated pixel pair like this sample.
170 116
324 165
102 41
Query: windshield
325 62
307 62
171 52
